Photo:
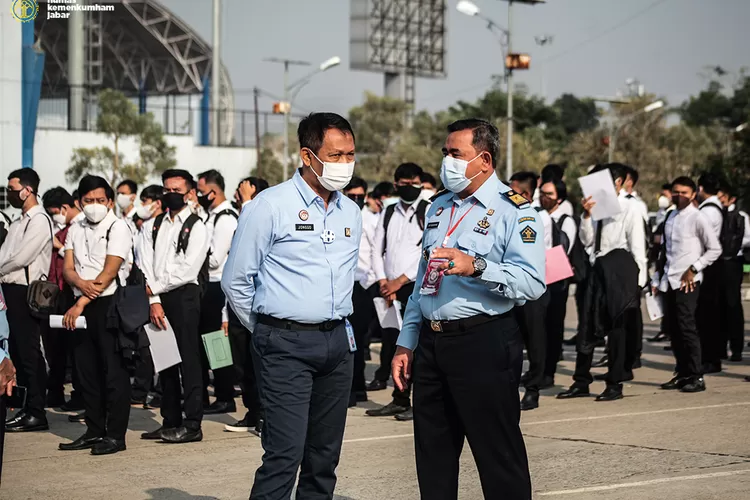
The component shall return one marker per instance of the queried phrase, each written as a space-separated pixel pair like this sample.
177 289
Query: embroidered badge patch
528 235
491 212
515 198
481 231
526 219
484 223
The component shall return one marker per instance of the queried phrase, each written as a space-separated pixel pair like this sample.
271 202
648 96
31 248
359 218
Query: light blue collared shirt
279 264
4 328
509 238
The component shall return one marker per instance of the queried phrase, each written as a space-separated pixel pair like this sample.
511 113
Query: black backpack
421 214
4 225
732 231
182 244
579 259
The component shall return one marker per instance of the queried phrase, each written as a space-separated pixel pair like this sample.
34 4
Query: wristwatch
480 265
693 270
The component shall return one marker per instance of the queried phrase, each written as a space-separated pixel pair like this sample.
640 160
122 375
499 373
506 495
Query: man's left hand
463 264
390 287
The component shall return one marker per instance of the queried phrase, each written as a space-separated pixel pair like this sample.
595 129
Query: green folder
217 349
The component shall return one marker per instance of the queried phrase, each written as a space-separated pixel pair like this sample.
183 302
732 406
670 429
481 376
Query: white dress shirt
690 241
547 223
715 217
170 270
625 231
403 249
128 218
28 244
90 248
144 240
637 203
220 239
365 274
568 227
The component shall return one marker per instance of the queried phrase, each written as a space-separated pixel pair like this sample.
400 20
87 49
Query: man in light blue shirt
289 279
483 254
7 370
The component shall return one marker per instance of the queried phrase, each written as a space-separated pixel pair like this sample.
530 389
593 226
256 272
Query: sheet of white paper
389 317
164 350
56 321
602 189
655 306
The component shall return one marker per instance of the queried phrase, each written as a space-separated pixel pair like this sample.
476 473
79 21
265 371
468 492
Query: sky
597 46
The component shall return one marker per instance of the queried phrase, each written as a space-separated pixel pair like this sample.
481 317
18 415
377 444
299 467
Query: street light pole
509 78
285 165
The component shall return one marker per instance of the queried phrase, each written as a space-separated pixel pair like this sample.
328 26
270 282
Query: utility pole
509 78
543 41
258 145
215 73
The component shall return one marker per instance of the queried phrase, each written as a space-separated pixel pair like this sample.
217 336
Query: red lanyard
452 229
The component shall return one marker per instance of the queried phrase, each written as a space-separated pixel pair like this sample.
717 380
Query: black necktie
598 239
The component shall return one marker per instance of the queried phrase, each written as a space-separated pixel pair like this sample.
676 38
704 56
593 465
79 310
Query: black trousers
679 314
144 377
634 325
58 347
733 317
708 315
26 348
240 343
621 353
388 350
305 378
364 310
466 387
102 374
183 308
224 378
555 325
532 321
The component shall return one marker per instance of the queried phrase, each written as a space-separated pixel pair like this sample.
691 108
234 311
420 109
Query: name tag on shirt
304 227
433 225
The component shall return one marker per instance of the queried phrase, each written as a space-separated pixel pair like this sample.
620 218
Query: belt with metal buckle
287 324
461 325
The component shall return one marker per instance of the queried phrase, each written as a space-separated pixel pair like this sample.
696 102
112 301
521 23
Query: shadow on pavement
173 494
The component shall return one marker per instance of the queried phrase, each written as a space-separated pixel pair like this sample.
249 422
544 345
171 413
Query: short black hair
560 187
312 129
485 135
407 171
528 179
90 183
618 170
259 182
727 189
27 177
132 186
383 190
710 183
632 173
173 173
356 182
427 177
213 176
666 187
684 181
56 197
552 171
152 192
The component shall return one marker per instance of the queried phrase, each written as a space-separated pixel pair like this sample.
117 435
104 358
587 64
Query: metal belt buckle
436 326
328 325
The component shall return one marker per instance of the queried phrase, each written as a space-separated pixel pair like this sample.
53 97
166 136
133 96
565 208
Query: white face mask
124 200
95 212
453 173
664 202
427 194
335 176
145 212
60 219
390 201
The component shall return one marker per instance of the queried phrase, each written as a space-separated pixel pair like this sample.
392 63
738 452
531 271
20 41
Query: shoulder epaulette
439 194
516 199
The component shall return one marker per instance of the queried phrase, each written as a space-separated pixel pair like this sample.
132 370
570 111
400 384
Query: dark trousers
555 325
240 344
364 310
143 378
26 348
634 326
304 378
733 318
620 355
58 347
679 311
466 387
183 308
224 378
532 321
388 350
708 316
102 374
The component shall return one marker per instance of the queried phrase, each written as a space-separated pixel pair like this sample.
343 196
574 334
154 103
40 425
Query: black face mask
174 201
14 198
359 199
204 201
409 194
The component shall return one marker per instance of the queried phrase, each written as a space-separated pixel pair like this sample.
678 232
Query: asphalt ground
652 445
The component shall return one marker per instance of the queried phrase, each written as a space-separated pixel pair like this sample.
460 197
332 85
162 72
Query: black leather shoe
78 417
15 418
152 401
601 363
137 401
218 407
675 384
697 384
108 446
407 416
611 393
154 435
72 405
377 385
530 401
575 391
28 423
659 337
181 435
736 358
571 341
547 383
747 379
524 378
602 377
388 410
82 443
712 367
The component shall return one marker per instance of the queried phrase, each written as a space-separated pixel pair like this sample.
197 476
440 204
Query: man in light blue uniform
7 371
289 278
484 254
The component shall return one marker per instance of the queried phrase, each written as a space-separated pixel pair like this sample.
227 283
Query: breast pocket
475 243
